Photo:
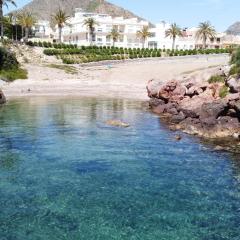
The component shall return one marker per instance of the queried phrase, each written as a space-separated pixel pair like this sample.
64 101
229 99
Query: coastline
111 80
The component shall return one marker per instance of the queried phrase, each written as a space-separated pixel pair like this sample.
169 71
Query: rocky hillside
234 29
43 9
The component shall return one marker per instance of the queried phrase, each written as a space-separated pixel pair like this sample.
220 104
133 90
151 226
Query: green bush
216 79
235 70
224 91
8 60
68 61
13 74
235 58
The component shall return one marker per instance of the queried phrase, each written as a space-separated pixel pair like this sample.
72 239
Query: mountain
234 29
44 9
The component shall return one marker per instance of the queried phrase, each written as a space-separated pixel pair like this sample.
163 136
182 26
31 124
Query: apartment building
158 38
43 31
77 33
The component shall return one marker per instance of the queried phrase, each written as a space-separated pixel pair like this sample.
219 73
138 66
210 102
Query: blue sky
186 13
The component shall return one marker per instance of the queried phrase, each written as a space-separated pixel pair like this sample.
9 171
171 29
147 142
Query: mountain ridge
234 29
44 9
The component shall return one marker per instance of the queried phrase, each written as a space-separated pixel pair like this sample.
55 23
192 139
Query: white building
43 31
78 33
187 41
159 39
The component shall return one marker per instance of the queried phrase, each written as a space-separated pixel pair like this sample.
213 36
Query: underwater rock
117 123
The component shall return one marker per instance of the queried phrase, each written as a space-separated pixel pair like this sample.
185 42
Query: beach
126 79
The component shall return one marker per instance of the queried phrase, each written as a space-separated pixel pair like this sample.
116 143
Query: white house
158 38
43 31
78 33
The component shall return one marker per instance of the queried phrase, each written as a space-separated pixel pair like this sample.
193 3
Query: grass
68 69
235 70
13 74
216 79
223 91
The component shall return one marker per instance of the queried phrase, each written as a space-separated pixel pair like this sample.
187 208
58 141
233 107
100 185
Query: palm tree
205 31
114 34
60 19
173 32
90 23
11 20
27 21
144 34
4 3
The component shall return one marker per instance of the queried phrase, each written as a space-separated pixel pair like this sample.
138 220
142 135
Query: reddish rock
2 98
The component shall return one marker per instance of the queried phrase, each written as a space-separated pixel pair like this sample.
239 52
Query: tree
173 32
205 31
11 21
27 21
144 34
4 3
60 19
90 23
114 35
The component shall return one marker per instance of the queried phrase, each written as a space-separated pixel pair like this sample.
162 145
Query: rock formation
198 107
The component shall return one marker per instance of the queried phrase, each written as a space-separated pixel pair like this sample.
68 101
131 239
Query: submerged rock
178 137
117 123
2 98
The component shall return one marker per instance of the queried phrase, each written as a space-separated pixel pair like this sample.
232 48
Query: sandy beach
119 80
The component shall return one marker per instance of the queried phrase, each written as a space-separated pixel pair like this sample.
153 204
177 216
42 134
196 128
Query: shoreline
126 80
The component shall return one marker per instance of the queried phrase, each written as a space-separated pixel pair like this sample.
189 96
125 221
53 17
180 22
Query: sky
186 13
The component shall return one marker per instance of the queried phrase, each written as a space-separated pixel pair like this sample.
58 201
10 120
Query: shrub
235 70
223 91
30 43
216 79
68 61
235 59
8 59
13 74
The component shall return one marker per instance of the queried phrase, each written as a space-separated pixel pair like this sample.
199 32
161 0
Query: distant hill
234 29
44 9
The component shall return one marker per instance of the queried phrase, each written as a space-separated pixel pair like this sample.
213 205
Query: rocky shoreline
204 103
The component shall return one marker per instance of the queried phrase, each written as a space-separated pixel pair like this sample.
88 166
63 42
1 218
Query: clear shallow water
64 174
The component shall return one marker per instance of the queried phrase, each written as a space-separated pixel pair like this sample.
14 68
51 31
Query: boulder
2 98
212 109
154 102
234 84
178 118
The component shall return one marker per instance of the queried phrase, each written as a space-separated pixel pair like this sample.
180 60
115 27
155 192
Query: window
153 35
99 29
108 39
120 39
99 39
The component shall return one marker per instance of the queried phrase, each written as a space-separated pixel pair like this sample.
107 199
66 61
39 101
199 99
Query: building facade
43 31
77 33
159 40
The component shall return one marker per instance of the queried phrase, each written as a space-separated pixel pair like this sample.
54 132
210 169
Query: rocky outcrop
198 107
2 98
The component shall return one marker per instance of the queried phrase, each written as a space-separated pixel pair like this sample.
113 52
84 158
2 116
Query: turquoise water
64 174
